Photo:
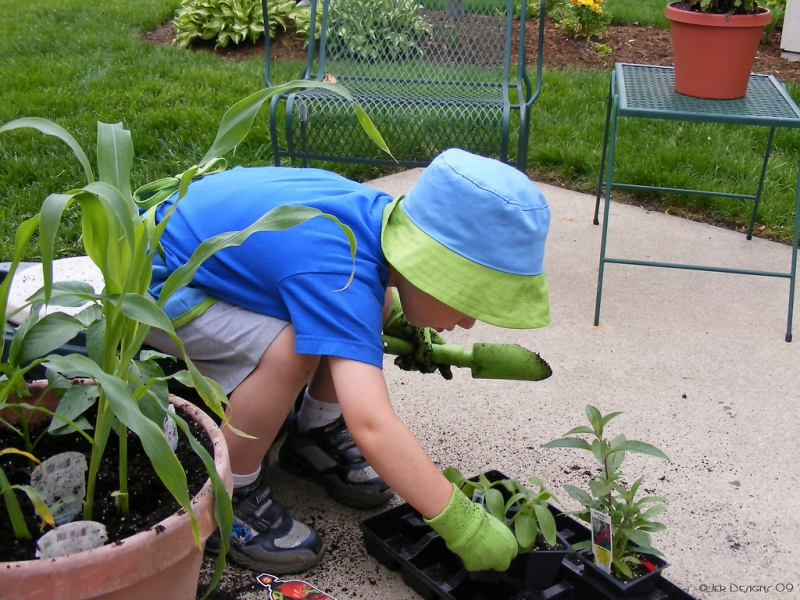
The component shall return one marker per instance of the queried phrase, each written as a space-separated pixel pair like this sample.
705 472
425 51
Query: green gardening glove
480 539
423 339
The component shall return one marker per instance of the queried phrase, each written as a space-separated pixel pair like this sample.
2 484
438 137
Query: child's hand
423 339
481 540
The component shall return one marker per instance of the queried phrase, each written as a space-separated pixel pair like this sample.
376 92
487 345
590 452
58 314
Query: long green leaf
48 334
116 210
644 448
372 132
145 310
52 209
578 494
525 530
115 156
595 419
124 407
579 443
277 219
12 508
238 119
50 128
547 523
494 503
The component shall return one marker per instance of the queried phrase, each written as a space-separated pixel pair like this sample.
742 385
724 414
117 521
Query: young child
275 315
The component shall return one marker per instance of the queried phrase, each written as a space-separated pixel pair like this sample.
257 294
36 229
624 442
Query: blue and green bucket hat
471 233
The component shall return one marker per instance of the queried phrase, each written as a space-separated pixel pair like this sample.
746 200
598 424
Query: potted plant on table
714 43
528 514
620 552
121 388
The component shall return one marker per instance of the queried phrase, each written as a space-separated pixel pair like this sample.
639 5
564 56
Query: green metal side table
648 92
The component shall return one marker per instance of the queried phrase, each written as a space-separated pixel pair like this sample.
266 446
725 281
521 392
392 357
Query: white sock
243 480
314 413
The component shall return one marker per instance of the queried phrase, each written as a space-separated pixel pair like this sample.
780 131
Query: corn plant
121 237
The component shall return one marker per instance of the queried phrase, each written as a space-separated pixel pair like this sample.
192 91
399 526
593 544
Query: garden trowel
486 361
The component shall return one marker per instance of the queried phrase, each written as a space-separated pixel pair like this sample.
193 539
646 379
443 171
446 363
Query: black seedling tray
401 540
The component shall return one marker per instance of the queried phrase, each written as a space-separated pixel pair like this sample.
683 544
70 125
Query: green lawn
79 62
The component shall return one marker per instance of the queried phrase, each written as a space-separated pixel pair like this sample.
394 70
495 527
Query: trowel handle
442 354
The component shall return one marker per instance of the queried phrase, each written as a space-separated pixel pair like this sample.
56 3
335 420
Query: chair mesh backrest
460 42
431 74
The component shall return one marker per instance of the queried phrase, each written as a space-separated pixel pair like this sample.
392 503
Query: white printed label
477 496
171 428
601 540
71 538
61 482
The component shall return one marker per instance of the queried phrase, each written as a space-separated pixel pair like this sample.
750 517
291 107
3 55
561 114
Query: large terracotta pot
163 562
713 54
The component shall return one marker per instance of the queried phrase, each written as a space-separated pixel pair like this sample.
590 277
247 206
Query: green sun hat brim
488 295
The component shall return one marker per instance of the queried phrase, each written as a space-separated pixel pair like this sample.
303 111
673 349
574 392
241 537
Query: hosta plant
226 21
119 234
631 517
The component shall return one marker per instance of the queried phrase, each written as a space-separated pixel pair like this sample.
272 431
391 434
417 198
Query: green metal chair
431 74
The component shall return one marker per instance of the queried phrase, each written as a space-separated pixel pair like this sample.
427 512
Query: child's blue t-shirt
297 274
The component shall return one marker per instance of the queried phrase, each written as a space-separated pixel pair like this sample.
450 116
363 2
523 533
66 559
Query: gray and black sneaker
328 455
265 537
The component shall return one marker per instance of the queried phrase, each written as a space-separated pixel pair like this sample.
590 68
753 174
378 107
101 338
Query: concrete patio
697 362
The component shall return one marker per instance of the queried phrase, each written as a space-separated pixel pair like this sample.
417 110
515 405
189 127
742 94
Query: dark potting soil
150 501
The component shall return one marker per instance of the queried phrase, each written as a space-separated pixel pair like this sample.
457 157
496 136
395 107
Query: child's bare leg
261 402
319 447
265 536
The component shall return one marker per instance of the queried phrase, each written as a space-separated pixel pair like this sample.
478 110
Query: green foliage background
77 62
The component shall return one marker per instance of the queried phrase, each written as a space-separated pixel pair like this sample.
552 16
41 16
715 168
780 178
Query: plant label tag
78 536
477 496
171 428
61 482
278 589
601 540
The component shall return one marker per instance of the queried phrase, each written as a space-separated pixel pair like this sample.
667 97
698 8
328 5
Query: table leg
760 183
609 177
793 274
603 154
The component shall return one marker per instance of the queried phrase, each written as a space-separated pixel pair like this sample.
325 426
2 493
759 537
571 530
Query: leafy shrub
227 20
389 28
301 15
581 18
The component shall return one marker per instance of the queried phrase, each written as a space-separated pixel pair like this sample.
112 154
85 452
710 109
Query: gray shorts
225 343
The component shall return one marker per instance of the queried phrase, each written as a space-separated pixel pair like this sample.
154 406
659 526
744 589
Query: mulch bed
630 43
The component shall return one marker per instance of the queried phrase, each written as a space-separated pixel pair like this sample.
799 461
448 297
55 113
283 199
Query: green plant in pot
714 44
528 514
124 387
631 518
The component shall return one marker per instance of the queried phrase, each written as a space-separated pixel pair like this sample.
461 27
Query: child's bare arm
384 440
481 540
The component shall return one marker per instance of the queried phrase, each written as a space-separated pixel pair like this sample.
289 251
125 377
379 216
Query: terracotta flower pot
163 561
713 54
